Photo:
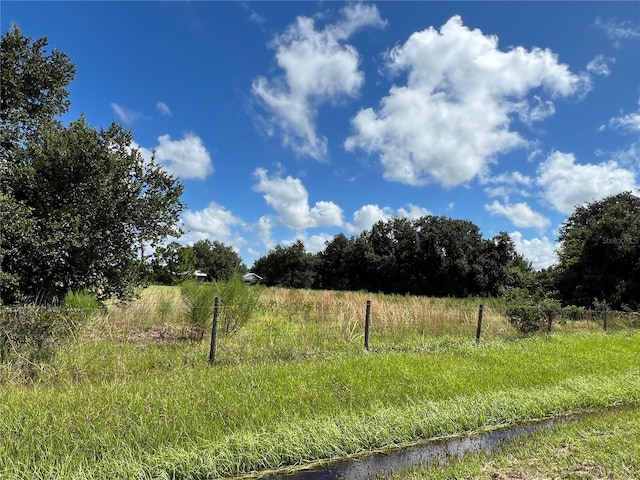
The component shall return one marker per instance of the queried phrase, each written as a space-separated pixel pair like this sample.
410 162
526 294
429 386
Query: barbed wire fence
33 332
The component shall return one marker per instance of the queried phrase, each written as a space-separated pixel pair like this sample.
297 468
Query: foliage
573 313
433 256
239 302
599 256
529 314
33 90
217 260
287 266
171 264
31 334
199 298
88 201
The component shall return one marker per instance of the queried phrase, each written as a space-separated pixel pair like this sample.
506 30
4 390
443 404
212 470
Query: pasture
133 396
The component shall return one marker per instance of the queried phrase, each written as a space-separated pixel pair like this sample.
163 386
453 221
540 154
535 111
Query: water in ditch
433 453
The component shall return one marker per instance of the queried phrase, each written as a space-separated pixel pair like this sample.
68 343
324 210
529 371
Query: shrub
529 314
199 298
77 308
31 334
573 313
526 318
239 302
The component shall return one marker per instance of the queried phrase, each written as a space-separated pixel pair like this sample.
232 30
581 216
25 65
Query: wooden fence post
479 329
214 331
367 324
604 319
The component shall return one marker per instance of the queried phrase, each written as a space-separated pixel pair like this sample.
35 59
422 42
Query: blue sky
290 120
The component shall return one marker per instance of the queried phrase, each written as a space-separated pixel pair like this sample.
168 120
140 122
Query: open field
133 397
301 324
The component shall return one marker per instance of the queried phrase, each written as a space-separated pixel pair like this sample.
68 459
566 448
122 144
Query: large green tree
33 90
599 256
288 266
217 260
81 203
171 264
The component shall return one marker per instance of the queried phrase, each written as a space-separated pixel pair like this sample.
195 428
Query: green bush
239 302
573 313
31 334
77 308
199 298
528 313
526 318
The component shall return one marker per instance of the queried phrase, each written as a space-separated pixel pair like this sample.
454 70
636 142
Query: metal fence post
367 323
214 331
479 329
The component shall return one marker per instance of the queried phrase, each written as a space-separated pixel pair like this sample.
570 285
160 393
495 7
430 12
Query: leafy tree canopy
217 260
287 266
78 204
599 256
428 256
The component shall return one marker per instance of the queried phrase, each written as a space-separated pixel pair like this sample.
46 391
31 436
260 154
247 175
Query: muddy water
438 452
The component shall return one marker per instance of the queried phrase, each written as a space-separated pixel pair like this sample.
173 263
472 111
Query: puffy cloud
318 67
413 212
163 108
290 199
186 158
521 214
214 222
541 252
314 243
600 65
511 180
629 122
453 116
567 184
125 115
367 215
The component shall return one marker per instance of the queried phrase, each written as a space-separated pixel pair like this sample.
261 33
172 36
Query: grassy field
132 397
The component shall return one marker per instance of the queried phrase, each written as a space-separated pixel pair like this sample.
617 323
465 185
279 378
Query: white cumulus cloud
367 215
541 252
290 199
566 183
319 67
520 214
629 122
214 222
186 158
453 116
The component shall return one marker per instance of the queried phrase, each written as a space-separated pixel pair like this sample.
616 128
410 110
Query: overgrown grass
603 445
155 410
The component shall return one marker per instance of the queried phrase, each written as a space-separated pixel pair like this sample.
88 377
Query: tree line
432 255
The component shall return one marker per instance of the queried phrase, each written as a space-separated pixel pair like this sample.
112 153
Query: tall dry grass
297 324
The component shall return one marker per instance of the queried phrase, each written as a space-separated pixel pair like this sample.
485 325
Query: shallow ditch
379 465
